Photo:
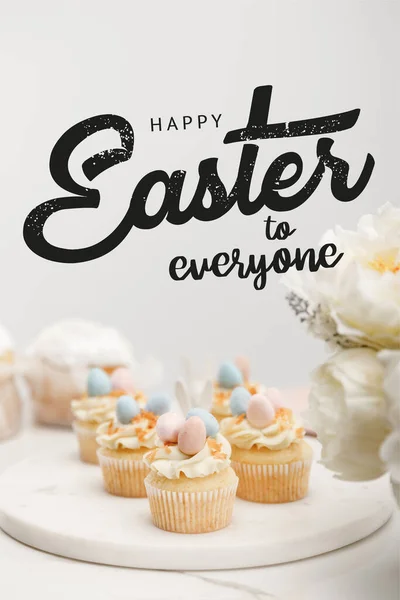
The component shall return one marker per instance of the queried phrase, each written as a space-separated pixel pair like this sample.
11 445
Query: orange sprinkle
213 445
284 426
215 449
240 418
285 414
252 388
221 455
110 429
220 397
151 418
167 449
151 455
116 393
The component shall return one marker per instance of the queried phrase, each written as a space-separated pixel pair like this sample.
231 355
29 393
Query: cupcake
10 400
191 486
59 361
269 454
231 375
96 406
123 442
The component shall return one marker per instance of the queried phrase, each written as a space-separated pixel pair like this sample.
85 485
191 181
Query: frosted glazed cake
59 361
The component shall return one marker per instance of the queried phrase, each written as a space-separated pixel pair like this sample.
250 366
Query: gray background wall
63 62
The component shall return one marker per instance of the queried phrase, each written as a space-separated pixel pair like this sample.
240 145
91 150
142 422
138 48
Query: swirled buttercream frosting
284 431
139 433
167 460
94 409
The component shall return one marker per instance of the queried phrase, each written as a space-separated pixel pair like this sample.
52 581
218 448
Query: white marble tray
57 504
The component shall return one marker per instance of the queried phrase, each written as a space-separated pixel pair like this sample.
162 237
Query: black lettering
85 197
258 128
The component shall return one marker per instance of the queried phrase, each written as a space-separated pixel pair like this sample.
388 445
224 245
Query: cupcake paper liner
191 512
272 484
87 444
123 477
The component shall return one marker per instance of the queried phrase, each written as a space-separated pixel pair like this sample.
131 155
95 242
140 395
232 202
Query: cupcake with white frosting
123 442
191 486
96 406
59 361
231 375
269 453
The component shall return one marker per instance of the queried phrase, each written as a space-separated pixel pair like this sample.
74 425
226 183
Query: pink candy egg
122 379
192 436
168 427
260 411
243 364
275 396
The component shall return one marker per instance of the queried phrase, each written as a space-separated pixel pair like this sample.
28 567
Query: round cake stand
57 504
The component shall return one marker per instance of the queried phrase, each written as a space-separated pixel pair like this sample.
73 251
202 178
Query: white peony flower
348 410
357 303
390 449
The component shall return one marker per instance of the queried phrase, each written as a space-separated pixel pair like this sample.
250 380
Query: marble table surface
367 570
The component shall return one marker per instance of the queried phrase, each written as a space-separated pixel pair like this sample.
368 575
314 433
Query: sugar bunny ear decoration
199 398
193 392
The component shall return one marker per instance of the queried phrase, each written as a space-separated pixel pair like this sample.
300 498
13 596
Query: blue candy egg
127 408
239 401
158 404
99 383
229 375
210 422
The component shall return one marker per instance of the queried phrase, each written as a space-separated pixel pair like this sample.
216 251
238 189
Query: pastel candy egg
243 364
158 404
122 379
168 427
229 376
260 411
192 436
98 383
275 396
126 409
239 401
210 422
